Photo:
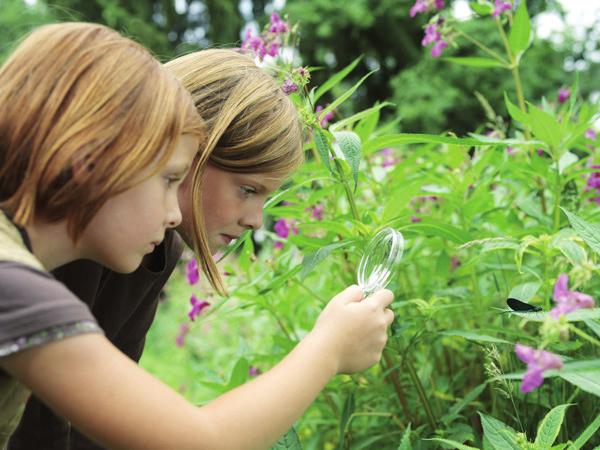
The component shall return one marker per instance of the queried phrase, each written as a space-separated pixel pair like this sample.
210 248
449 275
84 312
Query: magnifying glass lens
380 260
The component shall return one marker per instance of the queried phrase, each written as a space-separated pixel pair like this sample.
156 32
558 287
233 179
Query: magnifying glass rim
396 249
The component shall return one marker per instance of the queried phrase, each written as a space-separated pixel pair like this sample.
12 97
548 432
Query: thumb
351 294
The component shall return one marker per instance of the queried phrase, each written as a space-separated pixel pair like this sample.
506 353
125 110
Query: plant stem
557 199
514 67
421 393
584 335
484 48
393 378
348 191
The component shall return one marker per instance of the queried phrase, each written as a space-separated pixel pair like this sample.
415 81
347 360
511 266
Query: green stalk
421 393
584 335
514 67
484 48
557 196
347 190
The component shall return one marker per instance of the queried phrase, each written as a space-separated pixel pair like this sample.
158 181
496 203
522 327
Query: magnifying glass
380 260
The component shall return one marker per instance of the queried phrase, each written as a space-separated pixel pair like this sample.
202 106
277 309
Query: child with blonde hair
253 143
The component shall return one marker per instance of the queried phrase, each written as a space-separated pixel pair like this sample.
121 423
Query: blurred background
334 33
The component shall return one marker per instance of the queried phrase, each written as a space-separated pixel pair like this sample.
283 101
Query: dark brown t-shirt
124 306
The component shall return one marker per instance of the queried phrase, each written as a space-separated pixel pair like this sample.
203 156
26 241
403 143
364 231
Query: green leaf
590 233
595 326
499 435
239 374
345 96
335 79
525 291
586 435
545 127
483 9
431 227
550 426
349 143
349 407
472 336
473 61
519 37
405 442
358 116
456 408
588 381
322 147
311 260
454 444
515 112
289 441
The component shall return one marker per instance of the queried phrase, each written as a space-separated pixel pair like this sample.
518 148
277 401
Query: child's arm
107 396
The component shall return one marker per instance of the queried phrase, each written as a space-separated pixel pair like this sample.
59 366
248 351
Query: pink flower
272 48
568 301
540 152
254 43
316 211
438 47
325 118
388 157
590 134
538 361
439 4
197 307
289 87
431 34
500 7
510 150
254 371
192 272
420 6
277 25
454 262
415 219
184 328
563 95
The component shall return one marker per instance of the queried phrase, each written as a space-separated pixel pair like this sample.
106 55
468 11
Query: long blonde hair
252 127
76 95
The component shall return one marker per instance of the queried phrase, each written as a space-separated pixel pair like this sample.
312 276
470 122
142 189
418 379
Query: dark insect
519 306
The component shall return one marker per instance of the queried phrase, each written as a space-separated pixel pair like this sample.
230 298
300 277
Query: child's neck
52 245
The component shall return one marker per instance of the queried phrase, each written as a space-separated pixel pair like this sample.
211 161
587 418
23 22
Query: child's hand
353 329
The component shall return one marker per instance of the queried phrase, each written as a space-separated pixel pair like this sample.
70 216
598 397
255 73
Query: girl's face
231 203
129 225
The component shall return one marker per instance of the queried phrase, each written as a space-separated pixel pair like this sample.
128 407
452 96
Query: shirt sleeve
36 309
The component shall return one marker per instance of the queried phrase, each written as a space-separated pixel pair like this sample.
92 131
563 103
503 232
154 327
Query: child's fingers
382 298
389 316
351 294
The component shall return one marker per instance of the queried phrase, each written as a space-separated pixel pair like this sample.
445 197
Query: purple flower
278 245
388 157
510 150
568 301
420 6
303 73
590 134
454 263
415 219
289 87
500 7
439 4
563 95
197 307
254 371
316 211
282 228
277 25
438 47
183 331
540 152
254 43
538 361
325 118
272 48
431 34
192 271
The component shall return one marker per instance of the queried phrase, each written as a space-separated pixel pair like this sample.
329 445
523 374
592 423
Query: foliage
502 212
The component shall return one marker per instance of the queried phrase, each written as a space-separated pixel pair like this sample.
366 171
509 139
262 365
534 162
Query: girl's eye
172 181
247 191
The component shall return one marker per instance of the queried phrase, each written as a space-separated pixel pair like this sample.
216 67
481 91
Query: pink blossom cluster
269 42
538 361
568 301
283 228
